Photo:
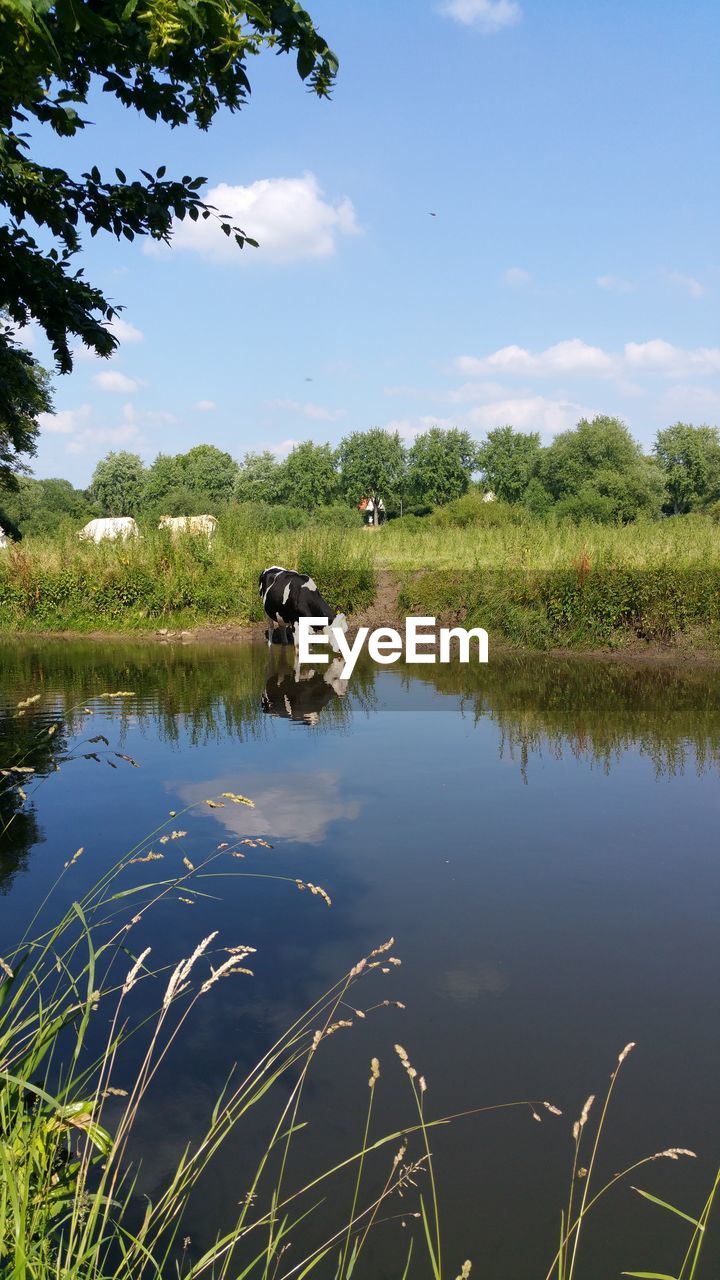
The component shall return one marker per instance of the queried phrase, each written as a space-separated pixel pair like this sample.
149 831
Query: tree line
595 471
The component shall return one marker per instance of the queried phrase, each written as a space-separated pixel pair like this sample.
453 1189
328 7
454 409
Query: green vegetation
534 583
596 473
62 583
580 557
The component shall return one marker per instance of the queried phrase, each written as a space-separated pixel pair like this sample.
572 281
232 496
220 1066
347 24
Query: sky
507 213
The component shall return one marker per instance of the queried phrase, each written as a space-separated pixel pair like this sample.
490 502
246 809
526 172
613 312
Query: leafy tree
41 506
508 460
440 464
24 395
179 63
163 477
209 470
576 456
183 501
597 471
371 462
308 478
617 496
690 460
258 478
118 483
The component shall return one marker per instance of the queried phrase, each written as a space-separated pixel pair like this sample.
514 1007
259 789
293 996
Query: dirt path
385 609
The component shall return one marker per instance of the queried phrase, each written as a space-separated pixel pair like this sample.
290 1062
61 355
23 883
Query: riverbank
644 593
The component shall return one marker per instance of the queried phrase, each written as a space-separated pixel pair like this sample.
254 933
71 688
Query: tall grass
54 584
682 542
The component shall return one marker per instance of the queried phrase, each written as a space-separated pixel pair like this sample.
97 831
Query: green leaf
649 1275
671 1207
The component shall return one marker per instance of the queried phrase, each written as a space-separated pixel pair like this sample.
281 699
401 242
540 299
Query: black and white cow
288 596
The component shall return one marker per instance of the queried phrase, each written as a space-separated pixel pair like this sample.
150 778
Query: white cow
3 540
189 524
110 530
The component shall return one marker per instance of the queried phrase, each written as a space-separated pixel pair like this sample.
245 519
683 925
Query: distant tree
24 395
118 483
258 478
208 470
182 501
371 462
575 456
617 497
40 506
163 477
440 464
308 477
690 460
598 471
508 460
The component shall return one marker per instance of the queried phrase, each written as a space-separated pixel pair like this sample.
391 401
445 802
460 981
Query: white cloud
487 15
517 278
405 428
313 412
91 437
297 807
574 358
66 421
124 331
658 356
150 417
288 216
475 391
689 402
688 284
204 406
115 381
282 449
614 284
529 413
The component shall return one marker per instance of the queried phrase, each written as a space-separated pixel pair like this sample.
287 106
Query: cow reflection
302 695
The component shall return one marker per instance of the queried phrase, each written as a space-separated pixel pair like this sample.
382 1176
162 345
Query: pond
539 837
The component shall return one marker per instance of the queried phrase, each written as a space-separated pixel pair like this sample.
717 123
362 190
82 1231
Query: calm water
542 841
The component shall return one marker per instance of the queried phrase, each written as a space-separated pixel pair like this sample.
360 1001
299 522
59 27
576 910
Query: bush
472 509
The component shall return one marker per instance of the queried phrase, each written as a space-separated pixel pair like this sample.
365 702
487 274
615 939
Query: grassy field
532 584
685 541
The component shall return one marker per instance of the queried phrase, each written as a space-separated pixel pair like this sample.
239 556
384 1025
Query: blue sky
569 152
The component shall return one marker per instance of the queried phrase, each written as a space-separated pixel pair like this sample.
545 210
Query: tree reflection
30 743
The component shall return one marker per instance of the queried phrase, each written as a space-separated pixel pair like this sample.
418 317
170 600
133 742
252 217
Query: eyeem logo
385 644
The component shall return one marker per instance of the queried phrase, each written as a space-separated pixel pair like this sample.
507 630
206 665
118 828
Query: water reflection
302 695
31 743
590 710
